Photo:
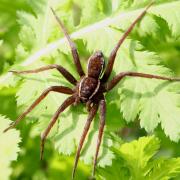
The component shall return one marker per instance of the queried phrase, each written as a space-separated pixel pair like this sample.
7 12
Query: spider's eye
99 54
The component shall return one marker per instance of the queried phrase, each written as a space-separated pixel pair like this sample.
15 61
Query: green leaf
154 101
35 30
86 32
172 19
72 126
165 109
9 148
134 97
1 42
9 30
164 168
135 160
144 149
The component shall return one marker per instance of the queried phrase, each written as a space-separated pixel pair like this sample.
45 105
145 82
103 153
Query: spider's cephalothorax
89 89
89 85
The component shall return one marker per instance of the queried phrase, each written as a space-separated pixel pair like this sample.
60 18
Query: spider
89 89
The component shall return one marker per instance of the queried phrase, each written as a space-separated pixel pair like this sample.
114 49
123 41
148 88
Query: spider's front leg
69 101
59 89
72 46
91 115
62 70
112 57
120 76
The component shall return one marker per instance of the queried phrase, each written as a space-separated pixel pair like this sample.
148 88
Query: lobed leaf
9 148
153 101
135 160
134 97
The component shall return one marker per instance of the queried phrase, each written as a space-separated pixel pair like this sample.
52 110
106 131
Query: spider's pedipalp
69 101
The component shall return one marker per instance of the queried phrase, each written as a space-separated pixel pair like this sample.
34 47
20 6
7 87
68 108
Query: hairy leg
62 70
91 115
60 89
69 101
72 46
116 48
120 76
102 109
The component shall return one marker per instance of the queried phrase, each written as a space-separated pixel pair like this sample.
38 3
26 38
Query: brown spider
90 89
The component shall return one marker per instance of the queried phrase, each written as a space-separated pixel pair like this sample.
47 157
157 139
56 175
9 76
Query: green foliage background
30 38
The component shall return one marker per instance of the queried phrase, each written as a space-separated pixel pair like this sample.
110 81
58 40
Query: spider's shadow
57 80
90 138
149 94
73 125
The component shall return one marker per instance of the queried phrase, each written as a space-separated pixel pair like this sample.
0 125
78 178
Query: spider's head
96 65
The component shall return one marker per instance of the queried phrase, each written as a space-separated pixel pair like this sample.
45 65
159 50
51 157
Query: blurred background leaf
9 143
143 165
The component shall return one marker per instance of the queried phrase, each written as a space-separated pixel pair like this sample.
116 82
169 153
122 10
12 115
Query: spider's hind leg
89 105
102 109
91 115
59 89
69 101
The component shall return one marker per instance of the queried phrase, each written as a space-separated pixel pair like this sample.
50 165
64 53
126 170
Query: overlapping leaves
151 100
8 31
135 160
9 148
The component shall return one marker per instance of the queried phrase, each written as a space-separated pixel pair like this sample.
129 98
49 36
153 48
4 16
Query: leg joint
43 137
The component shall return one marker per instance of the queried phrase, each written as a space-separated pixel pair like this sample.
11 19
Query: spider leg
91 115
60 89
62 70
121 75
72 46
112 57
102 109
69 101
89 105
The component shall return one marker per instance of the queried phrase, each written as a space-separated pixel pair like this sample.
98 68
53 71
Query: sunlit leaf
135 160
134 97
9 148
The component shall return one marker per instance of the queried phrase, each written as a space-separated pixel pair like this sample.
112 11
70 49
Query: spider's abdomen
88 88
